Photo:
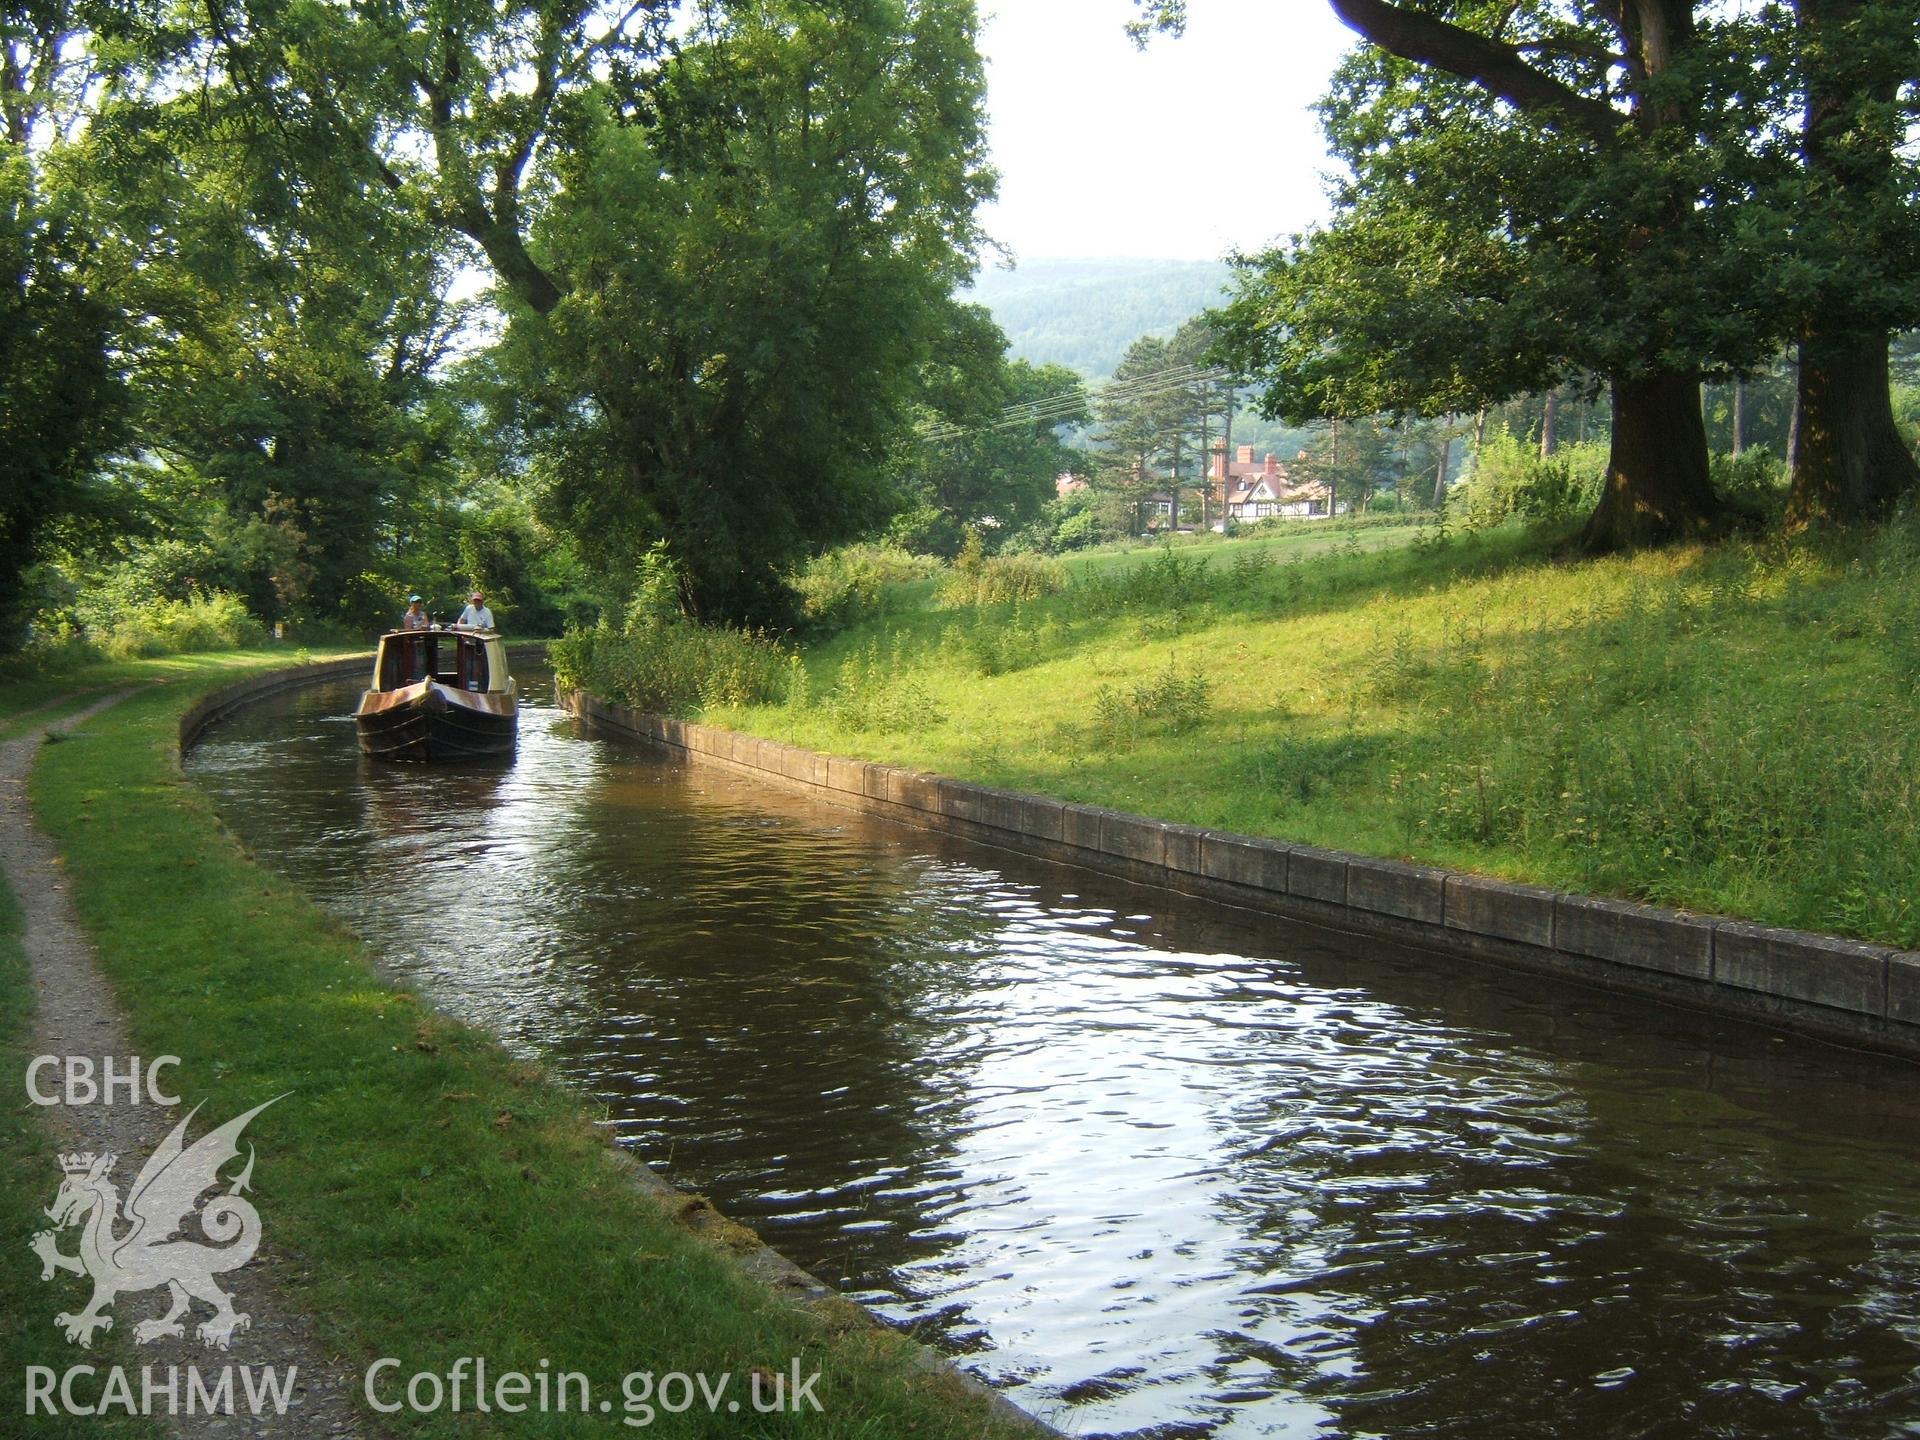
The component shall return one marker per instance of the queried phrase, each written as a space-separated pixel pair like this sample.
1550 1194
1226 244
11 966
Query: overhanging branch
1493 65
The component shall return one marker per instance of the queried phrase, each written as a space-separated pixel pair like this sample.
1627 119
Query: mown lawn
1732 729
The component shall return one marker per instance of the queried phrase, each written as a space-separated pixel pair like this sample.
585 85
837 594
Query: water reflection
1186 1171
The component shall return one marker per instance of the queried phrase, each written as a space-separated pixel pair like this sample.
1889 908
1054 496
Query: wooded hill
1084 313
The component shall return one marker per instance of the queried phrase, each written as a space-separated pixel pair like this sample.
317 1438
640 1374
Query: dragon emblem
151 1251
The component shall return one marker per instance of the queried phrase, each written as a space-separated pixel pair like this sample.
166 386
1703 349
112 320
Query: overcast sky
1181 152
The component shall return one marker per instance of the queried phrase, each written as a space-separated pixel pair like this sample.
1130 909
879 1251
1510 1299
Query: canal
1152 1165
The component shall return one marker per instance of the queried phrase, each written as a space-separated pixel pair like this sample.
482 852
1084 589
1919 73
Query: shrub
656 590
1511 480
996 644
1169 703
875 691
849 585
1756 481
1168 584
215 621
674 666
978 578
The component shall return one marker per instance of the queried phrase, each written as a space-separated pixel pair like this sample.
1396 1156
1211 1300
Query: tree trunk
1440 477
1849 463
1657 488
1739 416
1550 425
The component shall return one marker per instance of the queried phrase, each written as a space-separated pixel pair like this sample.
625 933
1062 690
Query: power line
1067 405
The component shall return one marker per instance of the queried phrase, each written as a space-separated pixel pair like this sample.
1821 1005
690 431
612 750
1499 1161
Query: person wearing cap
476 616
416 616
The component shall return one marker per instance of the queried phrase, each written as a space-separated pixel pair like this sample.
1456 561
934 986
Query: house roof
1277 486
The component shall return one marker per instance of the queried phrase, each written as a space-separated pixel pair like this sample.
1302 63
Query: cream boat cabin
439 695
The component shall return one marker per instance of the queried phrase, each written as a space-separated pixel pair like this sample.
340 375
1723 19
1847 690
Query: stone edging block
1642 936
1522 913
1821 969
1412 892
1903 987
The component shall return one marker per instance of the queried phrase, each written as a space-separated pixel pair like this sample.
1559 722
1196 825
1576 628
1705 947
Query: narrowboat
439 695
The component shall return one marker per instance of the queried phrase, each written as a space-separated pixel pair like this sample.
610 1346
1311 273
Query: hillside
1084 313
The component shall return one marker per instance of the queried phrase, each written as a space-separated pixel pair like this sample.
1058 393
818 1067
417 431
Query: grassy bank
1733 729
437 1199
35 692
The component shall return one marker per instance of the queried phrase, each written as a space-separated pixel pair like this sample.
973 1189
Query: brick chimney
1246 454
1219 470
1273 465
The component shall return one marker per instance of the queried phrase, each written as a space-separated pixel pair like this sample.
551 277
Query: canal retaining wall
1839 990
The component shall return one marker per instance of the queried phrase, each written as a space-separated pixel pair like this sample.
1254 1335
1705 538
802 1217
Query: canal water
1152 1165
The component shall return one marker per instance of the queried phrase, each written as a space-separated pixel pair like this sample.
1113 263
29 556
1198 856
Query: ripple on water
1169 1171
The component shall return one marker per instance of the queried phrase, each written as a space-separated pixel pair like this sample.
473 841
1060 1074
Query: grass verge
1733 729
436 1198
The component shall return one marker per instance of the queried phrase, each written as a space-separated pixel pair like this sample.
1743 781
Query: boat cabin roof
465 659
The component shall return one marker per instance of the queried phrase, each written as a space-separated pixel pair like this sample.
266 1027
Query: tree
989 452
1857 231
1159 414
286 338
1198 407
1137 426
61 394
759 249
64 400
1677 125
725 251
1512 221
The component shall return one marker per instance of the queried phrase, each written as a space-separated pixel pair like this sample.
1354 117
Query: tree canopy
1543 190
722 241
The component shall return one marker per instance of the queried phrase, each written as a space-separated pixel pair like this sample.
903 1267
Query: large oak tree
1540 189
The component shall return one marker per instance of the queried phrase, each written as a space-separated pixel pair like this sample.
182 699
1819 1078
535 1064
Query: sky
1194 147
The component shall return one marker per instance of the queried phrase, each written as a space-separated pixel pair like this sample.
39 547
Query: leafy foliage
64 399
675 667
850 584
992 458
750 293
978 578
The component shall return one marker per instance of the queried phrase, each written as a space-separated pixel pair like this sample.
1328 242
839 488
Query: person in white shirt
476 616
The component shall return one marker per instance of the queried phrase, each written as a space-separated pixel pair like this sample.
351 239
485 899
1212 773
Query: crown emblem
78 1162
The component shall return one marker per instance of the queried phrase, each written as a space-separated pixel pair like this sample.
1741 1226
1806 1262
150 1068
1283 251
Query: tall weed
849 585
674 667
876 690
981 579
1171 702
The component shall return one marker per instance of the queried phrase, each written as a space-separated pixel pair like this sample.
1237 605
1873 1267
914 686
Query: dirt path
78 1015
26 717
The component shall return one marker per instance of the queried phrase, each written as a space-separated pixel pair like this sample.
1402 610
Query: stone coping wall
1839 990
